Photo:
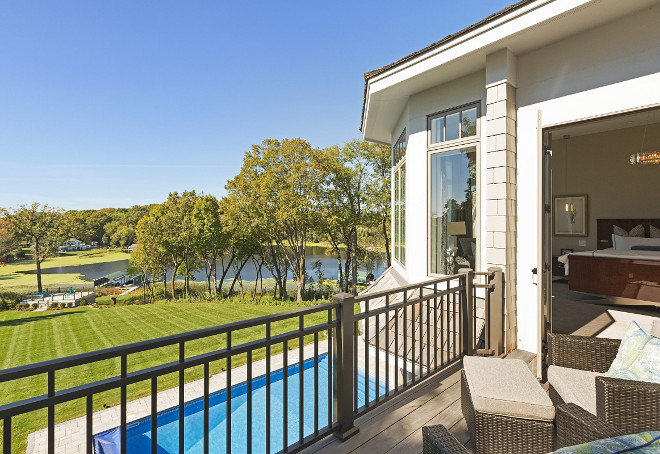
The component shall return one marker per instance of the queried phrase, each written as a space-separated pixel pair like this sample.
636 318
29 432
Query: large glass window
453 201
454 124
399 205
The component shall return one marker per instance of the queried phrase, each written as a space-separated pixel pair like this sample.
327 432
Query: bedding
638 231
631 254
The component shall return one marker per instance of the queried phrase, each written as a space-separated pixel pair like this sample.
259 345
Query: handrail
159 342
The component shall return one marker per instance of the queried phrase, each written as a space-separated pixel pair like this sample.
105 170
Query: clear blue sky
116 103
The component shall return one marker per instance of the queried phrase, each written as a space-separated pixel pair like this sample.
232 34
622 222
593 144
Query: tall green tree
279 190
40 226
378 191
210 238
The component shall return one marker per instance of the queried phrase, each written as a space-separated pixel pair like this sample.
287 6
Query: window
453 124
399 197
453 137
453 210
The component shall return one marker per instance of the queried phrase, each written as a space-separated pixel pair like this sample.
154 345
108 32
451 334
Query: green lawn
14 279
28 337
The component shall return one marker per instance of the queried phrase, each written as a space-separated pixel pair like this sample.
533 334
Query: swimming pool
139 432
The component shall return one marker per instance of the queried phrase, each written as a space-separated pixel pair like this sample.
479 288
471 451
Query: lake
249 273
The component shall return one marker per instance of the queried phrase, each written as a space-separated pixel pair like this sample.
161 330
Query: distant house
72 244
132 247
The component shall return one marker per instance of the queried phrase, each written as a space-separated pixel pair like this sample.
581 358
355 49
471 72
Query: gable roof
445 40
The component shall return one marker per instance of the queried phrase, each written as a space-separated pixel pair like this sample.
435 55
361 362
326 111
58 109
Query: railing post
342 347
496 315
468 311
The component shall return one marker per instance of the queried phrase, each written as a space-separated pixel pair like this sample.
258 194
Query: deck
396 427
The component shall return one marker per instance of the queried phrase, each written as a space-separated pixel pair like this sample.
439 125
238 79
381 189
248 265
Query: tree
210 239
278 191
40 226
7 242
378 190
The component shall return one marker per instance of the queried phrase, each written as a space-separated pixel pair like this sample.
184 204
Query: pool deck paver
70 435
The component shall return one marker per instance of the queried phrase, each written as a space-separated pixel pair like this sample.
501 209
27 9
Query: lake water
249 273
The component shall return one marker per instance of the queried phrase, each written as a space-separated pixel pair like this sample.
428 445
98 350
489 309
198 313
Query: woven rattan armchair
622 406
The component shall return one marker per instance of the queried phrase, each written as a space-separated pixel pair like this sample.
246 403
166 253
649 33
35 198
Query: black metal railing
406 334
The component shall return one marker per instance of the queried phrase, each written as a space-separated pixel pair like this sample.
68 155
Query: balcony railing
378 345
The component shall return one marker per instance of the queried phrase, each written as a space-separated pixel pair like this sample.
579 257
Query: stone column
501 185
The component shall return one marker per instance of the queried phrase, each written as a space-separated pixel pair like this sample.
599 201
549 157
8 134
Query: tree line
286 193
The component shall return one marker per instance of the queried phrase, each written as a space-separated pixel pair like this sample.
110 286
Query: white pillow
625 243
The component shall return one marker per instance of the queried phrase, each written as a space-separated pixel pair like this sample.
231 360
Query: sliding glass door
453 210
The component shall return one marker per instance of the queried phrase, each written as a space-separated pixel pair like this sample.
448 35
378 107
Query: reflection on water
249 273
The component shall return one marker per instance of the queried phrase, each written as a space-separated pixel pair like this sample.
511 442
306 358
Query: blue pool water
139 432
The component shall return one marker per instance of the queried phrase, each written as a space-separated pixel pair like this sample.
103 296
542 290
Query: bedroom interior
600 188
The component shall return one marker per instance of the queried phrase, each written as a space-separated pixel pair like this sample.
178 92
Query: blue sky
116 103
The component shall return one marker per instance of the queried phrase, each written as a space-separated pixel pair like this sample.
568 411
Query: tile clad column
501 193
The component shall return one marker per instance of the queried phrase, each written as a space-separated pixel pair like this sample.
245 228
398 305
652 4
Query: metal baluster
249 402
182 402
387 345
207 425
435 327
405 339
301 381
124 366
428 337
442 332
154 415
412 339
228 393
6 435
316 383
285 399
355 366
330 372
366 354
268 389
396 348
454 311
377 334
51 412
89 436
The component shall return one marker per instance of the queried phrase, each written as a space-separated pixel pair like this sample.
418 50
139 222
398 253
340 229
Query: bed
623 276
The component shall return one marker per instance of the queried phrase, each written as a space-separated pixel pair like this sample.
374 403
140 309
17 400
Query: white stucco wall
610 69
467 89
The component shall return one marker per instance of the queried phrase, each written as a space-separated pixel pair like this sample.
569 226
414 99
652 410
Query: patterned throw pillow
646 442
635 231
655 232
638 357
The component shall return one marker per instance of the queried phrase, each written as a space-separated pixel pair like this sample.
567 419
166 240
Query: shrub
69 304
26 306
18 306
53 305
62 305
35 305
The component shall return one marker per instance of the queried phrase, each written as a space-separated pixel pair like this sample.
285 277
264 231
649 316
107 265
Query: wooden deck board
396 427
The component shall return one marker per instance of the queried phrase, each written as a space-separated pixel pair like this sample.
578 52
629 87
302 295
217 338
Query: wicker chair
622 406
438 440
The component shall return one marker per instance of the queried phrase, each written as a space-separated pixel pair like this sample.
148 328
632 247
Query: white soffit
532 26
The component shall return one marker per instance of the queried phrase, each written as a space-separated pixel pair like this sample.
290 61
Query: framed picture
566 251
570 215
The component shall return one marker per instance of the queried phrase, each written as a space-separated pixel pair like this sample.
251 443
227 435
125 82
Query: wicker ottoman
438 440
505 408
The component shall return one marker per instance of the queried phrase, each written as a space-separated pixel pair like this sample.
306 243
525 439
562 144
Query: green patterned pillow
638 357
645 442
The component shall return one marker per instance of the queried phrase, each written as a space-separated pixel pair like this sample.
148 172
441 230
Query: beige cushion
655 328
575 386
506 387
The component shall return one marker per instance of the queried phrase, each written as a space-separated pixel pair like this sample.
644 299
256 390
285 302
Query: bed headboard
604 228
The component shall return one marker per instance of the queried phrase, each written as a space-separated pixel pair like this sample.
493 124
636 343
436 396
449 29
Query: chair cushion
645 442
638 357
575 386
506 387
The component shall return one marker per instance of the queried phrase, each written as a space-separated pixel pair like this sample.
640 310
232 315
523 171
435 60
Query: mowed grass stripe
12 334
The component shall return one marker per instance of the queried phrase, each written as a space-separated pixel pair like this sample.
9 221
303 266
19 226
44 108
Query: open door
544 271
